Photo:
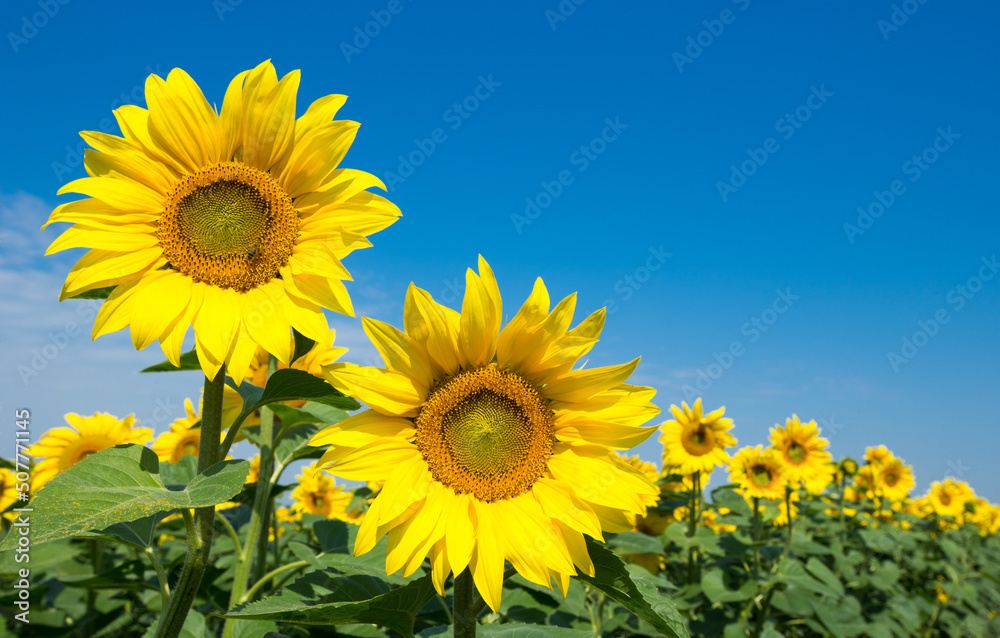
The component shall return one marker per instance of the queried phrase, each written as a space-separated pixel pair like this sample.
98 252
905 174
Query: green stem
222 520
161 576
201 526
271 574
692 572
259 515
788 513
465 619
756 537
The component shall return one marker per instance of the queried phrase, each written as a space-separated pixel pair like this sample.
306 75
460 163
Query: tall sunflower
492 447
233 222
696 442
64 447
894 479
801 449
759 472
948 497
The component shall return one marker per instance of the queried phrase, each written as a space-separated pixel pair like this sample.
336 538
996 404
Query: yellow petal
172 339
320 112
424 321
580 385
360 429
389 392
101 268
122 194
560 502
231 117
440 567
315 156
487 561
460 535
216 324
181 122
399 352
269 119
479 322
589 432
374 462
532 312
328 293
266 323
162 297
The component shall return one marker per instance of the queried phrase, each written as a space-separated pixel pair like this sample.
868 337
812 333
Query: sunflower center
486 432
760 475
229 225
698 439
796 453
890 478
945 499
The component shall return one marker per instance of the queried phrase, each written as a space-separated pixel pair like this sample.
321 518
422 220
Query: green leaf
180 473
633 591
138 532
189 361
793 572
96 293
329 598
290 385
634 543
717 592
822 573
303 344
120 485
511 630
726 496
843 619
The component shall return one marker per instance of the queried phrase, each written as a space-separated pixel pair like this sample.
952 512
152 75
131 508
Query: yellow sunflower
492 447
948 497
710 519
783 510
8 491
254 475
232 222
801 449
183 438
758 472
894 479
986 517
312 362
63 447
317 493
821 478
696 442
878 455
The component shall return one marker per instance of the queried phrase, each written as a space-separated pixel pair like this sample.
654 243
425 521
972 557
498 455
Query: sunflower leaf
303 344
189 361
511 630
332 598
120 485
633 591
290 385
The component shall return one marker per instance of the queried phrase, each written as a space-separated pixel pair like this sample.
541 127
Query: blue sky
698 168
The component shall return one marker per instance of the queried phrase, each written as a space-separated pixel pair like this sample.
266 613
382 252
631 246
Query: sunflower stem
788 514
202 525
756 537
693 526
256 541
462 608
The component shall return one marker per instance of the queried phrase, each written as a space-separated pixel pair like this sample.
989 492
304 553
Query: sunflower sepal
303 345
633 588
78 500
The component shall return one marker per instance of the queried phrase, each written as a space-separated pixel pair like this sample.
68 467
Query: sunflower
317 493
948 497
696 442
817 483
758 472
801 449
319 355
492 447
254 475
986 517
8 492
63 447
232 222
783 509
894 479
710 519
878 455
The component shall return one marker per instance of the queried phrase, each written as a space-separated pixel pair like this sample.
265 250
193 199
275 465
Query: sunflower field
478 482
